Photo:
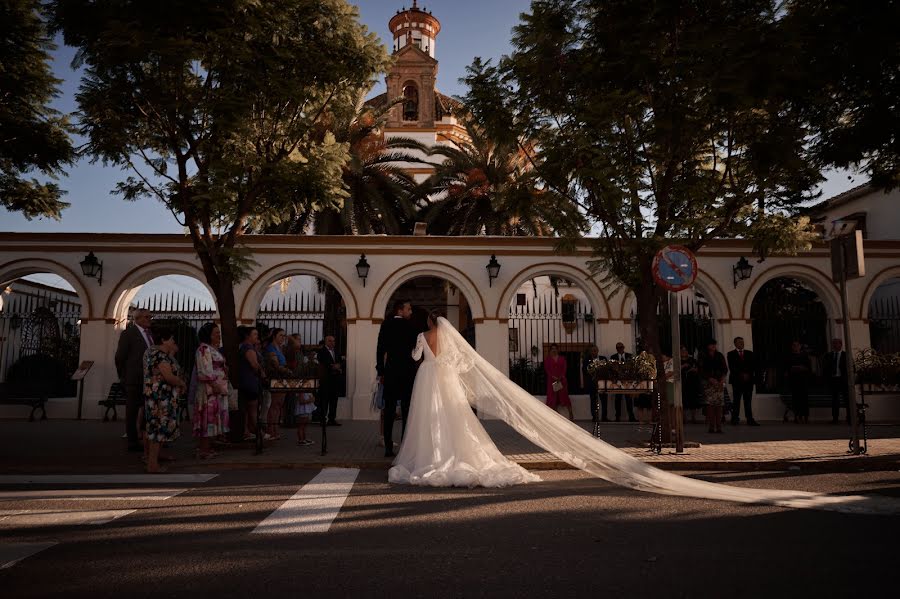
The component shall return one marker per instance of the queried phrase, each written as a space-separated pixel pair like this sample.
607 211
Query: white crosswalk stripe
42 518
314 507
113 479
12 553
131 494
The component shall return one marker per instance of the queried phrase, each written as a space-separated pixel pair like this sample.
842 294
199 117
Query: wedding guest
162 387
835 372
293 353
799 369
713 371
303 409
557 385
742 372
621 357
250 378
690 385
133 343
276 368
590 382
330 371
211 397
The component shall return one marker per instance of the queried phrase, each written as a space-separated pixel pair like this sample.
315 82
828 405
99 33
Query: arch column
99 338
492 339
362 339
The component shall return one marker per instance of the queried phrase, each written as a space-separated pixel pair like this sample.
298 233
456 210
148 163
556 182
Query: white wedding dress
445 443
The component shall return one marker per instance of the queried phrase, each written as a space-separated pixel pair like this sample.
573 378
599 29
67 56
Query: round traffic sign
674 268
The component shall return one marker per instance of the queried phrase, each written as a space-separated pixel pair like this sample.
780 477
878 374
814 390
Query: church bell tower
414 73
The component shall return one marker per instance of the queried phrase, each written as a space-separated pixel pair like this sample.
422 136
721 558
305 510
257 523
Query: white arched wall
17 269
891 272
580 277
248 304
127 288
427 269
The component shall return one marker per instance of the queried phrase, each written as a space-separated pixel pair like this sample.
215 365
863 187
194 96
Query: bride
445 444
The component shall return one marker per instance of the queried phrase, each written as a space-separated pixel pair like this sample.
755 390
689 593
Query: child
303 410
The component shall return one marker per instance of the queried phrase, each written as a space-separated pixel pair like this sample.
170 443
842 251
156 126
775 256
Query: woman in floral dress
162 387
211 404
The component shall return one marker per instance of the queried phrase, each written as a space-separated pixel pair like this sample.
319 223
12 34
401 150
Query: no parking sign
674 268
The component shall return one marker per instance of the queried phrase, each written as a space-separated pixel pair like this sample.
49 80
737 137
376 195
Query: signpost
79 376
848 262
675 269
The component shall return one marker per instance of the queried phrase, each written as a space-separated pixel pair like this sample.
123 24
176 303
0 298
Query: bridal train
454 447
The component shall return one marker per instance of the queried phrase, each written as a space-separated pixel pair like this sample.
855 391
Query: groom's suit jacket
396 341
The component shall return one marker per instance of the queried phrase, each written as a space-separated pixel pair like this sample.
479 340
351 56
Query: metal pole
851 369
676 371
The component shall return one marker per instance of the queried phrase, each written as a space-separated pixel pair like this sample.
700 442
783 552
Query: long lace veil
494 394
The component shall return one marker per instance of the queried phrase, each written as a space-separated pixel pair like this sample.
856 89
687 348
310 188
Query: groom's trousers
397 390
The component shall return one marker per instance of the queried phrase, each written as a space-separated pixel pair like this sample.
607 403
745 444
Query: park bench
28 393
817 400
115 397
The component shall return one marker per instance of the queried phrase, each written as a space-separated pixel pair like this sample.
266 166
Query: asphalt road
571 535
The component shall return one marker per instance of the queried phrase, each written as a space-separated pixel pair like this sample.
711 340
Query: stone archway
462 282
120 299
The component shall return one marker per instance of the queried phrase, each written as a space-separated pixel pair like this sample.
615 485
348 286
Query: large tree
844 60
217 107
664 121
34 138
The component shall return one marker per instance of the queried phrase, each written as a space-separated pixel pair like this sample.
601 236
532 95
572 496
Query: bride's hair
435 314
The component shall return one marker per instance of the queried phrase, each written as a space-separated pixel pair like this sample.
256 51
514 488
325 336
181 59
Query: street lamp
362 268
493 268
92 268
741 271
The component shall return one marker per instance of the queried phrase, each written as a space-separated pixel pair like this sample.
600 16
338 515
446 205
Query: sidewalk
90 445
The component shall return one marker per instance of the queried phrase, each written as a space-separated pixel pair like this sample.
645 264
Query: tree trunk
647 298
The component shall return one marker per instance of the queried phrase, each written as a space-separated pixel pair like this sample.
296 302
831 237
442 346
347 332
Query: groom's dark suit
396 341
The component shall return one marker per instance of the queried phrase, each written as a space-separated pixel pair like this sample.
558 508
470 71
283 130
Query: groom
396 367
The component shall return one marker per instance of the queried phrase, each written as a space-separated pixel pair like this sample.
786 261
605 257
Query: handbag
557 386
378 396
232 398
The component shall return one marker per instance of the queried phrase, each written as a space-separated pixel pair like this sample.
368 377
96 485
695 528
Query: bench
817 400
34 394
115 397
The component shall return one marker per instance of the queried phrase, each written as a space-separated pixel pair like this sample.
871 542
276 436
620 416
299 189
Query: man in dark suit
330 372
133 342
622 357
590 383
741 374
396 367
834 368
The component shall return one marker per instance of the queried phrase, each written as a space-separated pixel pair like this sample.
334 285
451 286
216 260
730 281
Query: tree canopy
34 138
218 108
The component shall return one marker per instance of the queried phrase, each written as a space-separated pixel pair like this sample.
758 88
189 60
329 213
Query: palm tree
379 192
489 188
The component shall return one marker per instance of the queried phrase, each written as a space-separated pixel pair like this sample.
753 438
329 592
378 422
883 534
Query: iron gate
884 324
536 323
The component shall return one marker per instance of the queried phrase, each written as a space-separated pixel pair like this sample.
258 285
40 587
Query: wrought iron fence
311 315
785 310
884 324
40 339
695 320
535 324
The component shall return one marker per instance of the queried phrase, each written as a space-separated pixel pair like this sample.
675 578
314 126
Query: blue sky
469 28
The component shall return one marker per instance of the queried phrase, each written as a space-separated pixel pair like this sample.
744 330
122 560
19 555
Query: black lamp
362 268
741 271
92 268
493 268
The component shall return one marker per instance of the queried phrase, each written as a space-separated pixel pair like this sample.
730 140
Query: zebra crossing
30 509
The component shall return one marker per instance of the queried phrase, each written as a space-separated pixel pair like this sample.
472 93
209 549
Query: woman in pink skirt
557 385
